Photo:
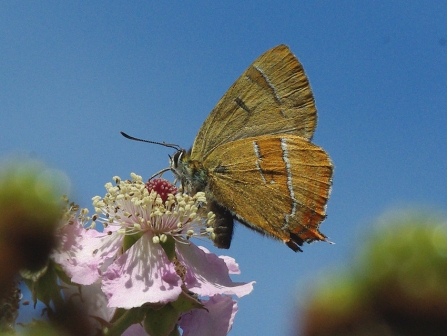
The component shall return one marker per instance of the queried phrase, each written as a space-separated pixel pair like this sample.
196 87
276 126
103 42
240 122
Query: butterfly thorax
191 173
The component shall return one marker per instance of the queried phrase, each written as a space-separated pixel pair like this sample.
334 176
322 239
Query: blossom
145 254
216 320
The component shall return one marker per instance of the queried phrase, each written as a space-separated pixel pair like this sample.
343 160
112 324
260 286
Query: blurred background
75 74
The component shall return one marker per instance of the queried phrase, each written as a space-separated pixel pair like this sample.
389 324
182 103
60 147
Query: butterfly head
190 173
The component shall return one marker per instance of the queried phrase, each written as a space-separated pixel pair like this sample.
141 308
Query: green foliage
397 284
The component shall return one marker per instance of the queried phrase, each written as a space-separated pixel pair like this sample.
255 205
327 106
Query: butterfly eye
176 159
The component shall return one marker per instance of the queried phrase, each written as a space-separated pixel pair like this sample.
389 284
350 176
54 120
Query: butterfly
254 159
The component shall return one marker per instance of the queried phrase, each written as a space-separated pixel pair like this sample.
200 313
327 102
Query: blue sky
74 74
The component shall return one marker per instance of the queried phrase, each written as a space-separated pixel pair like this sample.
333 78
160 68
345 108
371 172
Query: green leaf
169 247
186 302
161 322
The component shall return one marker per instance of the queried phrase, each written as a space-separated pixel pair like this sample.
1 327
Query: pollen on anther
136 178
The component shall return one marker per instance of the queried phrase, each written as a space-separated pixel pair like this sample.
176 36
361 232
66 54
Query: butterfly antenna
176 147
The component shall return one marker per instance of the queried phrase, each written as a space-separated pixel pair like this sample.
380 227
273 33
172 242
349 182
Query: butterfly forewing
272 96
277 185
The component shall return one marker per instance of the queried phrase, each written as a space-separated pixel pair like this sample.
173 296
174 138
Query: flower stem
132 316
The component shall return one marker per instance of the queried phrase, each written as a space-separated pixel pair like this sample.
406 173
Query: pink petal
92 300
217 320
233 266
135 330
83 252
142 274
207 274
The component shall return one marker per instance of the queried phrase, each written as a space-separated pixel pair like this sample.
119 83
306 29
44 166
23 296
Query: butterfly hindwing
278 185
